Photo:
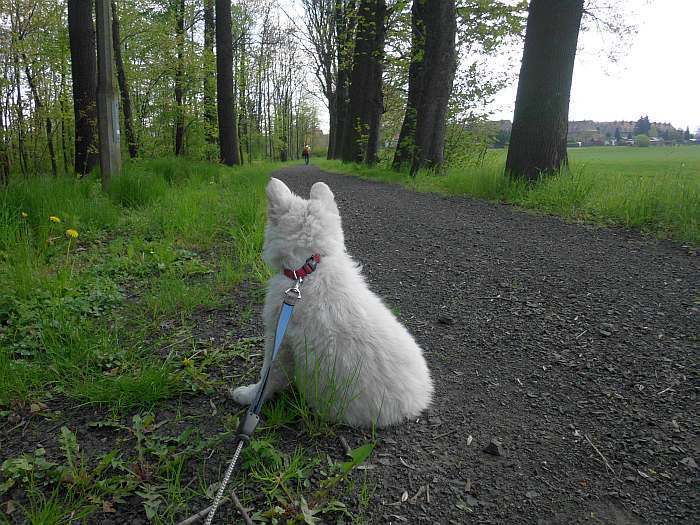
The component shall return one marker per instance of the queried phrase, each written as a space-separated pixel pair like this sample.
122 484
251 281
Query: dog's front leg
280 374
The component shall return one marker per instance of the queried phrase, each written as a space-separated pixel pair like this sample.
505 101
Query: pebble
495 448
689 462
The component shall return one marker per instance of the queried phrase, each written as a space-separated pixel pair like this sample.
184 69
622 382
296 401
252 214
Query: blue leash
252 416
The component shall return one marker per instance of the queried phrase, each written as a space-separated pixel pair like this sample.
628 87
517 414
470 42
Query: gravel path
576 347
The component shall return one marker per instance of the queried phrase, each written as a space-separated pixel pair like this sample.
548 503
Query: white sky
658 75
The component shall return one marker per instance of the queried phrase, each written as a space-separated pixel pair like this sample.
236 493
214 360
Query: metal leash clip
294 291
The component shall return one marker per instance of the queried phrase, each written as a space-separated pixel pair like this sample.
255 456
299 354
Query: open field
656 190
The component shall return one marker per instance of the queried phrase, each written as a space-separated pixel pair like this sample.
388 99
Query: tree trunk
39 106
180 78
208 85
123 86
431 74
540 121
361 137
84 70
344 30
228 136
4 156
21 146
62 107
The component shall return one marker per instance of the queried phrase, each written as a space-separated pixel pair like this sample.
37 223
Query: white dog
349 355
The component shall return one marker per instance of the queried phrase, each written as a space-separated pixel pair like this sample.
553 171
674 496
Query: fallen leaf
108 506
37 407
10 507
404 496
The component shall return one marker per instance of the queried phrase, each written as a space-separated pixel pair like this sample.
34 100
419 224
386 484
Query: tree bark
228 136
344 30
123 85
4 156
540 121
84 70
180 78
361 136
431 74
62 107
208 85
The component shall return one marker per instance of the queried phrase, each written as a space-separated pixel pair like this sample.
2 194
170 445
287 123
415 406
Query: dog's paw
243 395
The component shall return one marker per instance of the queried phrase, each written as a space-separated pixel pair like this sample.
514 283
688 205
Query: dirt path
576 347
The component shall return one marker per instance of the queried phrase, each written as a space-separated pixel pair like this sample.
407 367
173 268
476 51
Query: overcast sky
658 75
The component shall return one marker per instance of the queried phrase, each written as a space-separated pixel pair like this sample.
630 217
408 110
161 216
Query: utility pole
107 104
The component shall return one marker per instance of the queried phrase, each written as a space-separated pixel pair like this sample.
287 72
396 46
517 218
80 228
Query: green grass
112 320
64 318
655 190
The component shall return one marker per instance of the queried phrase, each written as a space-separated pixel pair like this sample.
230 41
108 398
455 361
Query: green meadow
655 190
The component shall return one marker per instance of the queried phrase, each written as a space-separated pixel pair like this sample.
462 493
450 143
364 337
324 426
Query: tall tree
361 135
540 121
228 134
84 69
430 77
180 77
39 106
208 86
642 126
123 85
344 43
319 19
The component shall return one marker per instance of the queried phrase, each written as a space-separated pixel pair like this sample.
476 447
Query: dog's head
297 228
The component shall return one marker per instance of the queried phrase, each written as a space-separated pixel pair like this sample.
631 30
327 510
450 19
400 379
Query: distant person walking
306 153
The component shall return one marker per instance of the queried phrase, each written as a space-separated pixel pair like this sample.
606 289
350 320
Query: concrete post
107 102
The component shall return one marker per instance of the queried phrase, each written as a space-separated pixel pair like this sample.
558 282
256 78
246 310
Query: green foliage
641 141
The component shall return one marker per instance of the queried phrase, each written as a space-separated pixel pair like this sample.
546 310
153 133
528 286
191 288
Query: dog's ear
321 192
279 197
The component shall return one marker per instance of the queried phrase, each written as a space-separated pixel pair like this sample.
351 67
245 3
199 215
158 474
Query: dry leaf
404 496
10 507
108 506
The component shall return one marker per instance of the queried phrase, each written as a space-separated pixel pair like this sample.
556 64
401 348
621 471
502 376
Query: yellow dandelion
55 219
187 361
73 234
24 215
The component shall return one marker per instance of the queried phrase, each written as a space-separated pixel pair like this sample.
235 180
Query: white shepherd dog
351 358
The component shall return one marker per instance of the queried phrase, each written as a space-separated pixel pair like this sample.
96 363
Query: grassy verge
655 190
105 302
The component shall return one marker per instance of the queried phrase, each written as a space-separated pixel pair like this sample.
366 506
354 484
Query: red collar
308 268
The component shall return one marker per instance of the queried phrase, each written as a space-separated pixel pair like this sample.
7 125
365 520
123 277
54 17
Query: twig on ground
579 335
189 336
418 494
445 434
599 453
406 464
199 516
665 390
241 509
195 518
427 493
346 447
